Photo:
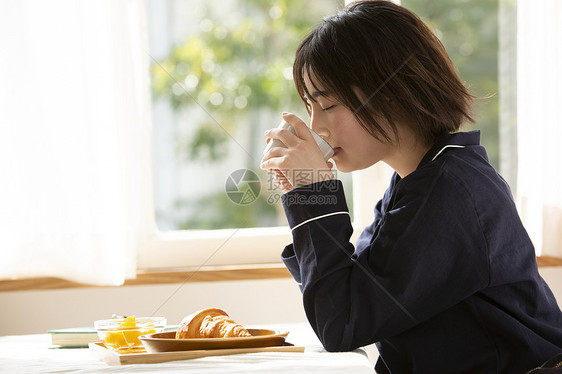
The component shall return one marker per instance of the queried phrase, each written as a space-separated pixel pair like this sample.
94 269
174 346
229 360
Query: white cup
327 150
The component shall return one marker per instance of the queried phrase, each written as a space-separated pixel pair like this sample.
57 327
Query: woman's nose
319 126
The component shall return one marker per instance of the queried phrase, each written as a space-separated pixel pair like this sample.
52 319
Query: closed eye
328 108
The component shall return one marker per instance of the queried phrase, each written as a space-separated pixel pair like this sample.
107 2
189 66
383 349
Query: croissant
210 323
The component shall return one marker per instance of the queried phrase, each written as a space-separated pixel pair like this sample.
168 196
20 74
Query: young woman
445 279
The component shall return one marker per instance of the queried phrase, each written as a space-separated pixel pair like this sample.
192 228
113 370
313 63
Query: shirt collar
459 139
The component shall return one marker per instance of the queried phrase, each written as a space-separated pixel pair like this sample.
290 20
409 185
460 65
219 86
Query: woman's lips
337 150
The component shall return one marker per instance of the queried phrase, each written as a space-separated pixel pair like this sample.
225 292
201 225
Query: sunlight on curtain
539 79
75 183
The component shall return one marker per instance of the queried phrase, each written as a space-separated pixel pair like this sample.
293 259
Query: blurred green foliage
234 70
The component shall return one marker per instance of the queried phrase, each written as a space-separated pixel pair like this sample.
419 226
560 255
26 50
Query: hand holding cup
297 154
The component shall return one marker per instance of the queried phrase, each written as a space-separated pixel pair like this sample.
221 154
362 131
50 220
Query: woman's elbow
335 347
336 341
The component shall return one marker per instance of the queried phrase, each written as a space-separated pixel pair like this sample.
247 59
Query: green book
74 337
79 337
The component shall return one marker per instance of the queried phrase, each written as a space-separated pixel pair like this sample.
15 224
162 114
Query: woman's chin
345 167
341 167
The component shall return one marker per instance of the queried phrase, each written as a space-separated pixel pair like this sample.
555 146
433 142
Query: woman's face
354 147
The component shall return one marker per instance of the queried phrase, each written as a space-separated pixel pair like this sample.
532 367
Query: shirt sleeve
291 263
323 196
427 254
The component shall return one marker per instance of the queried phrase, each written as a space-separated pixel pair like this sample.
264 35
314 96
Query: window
221 75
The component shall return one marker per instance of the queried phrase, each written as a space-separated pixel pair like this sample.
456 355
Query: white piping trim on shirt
322 216
447 146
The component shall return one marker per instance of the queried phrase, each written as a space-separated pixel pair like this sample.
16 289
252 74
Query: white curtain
539 87
75 175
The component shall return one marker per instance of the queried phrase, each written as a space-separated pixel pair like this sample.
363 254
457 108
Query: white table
31 354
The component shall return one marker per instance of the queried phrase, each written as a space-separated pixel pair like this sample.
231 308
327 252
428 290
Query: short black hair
384 53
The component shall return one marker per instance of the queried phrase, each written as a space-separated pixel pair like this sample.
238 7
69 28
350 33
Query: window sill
204 274
548 261
164 276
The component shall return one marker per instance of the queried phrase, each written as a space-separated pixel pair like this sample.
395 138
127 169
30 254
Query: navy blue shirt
444 280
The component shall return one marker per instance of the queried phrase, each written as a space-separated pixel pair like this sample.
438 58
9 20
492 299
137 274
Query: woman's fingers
290 139
284 135
292 119
301 153
272 160
301 129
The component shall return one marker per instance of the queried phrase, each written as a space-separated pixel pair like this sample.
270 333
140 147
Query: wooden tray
113 358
